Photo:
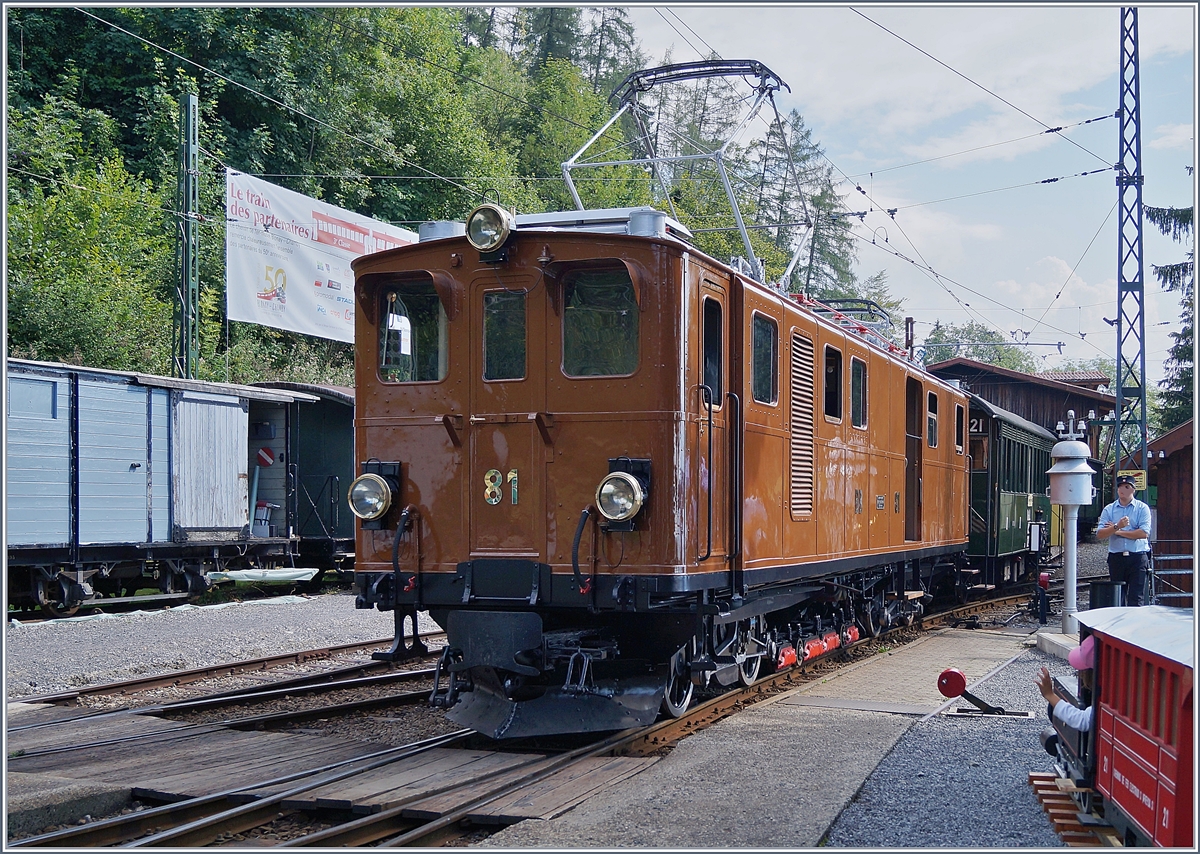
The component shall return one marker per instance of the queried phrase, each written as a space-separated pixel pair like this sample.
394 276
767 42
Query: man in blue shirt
1126 525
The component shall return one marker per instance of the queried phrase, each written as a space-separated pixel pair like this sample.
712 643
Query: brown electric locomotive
614 468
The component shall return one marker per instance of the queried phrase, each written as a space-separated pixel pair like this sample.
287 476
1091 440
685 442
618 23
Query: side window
600 324
503 335
979 453
413 340
765 368
712 349
858 393
958 428
931 433
833 383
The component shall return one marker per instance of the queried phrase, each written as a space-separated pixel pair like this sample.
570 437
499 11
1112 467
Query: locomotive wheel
678 694
748 670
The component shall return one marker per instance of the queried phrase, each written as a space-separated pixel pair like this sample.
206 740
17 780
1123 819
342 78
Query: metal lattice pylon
187 300
1131 289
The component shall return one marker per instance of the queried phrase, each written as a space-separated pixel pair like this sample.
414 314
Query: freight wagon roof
154 381
339 393
1167 632
1011 417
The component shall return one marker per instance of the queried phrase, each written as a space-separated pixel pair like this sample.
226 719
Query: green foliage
89 251
364 107
1177 400
973 340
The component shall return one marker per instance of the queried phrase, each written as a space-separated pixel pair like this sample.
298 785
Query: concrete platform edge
39 801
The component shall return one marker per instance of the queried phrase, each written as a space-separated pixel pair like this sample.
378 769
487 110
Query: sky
1039 261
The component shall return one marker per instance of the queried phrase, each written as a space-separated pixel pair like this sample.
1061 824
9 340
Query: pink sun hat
1083 657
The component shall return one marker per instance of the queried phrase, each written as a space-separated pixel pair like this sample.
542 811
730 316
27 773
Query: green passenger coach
1010 511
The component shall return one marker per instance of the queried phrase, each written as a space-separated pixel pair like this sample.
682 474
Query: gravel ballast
60 655
962 782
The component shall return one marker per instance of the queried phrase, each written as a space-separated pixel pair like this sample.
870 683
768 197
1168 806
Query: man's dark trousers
1129 569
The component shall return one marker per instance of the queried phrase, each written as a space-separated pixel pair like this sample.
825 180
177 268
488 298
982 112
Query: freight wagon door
505 489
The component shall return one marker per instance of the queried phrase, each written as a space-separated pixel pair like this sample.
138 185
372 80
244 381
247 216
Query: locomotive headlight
619 496
370 497
488 227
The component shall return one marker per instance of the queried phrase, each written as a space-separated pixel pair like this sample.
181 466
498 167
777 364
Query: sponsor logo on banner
274 235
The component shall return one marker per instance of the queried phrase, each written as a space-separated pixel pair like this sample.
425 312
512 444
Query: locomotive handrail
708 400
737 486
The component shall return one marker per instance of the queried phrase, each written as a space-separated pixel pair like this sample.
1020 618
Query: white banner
287 257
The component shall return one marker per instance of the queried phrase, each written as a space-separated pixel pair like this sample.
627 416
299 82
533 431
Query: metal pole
1131 322
1069 624
187 308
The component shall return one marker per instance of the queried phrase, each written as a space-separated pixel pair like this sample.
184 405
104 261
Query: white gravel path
59 655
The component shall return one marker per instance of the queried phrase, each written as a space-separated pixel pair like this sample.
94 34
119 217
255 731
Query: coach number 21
492 483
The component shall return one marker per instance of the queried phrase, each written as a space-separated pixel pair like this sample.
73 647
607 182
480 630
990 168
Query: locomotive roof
154 381
1167 632
1011 417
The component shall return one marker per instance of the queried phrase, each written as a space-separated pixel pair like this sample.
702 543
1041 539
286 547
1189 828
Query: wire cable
277 102
973 83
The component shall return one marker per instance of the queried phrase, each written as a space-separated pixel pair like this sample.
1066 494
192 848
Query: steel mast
1131 290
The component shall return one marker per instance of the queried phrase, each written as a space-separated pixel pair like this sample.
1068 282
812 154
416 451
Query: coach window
600 324
958 428
858 393
931 434
765 373
712 349
504 335
833 383
412 335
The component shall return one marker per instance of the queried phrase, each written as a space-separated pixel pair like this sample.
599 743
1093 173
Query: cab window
765 356
413 341
504 335
600 324
712 349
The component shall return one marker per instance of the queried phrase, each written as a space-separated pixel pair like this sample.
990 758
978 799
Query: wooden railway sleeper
195 812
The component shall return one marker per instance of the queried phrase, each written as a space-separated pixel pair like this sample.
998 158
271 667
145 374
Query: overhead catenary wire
979 148
386 152
974 82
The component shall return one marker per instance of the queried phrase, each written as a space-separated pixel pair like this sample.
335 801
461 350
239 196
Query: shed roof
1168 632
1088 379
965 368
155 381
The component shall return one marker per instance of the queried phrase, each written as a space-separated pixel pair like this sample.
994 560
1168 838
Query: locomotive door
507 459
913 415
712 527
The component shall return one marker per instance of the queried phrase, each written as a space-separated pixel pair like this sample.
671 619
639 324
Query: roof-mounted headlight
370 497
489 226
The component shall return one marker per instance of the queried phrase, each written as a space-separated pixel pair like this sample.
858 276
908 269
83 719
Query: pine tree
1177 401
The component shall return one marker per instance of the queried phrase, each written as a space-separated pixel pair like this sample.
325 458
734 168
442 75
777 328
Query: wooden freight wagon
121 480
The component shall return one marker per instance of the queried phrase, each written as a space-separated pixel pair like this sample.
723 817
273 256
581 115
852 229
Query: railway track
230 814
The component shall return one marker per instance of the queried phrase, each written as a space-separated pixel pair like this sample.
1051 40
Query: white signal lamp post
1070 487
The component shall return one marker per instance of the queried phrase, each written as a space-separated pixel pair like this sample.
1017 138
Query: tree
1177 400
552 32
610 48
973 340
89 257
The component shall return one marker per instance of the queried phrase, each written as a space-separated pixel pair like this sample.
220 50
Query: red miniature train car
1139 756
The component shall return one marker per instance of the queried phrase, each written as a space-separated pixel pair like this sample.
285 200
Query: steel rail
217 808
183 677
